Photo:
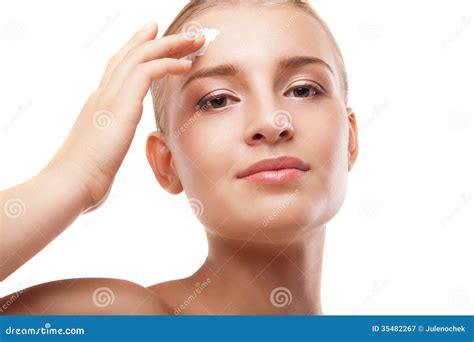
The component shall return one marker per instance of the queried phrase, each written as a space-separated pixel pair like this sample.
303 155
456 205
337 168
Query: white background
403 240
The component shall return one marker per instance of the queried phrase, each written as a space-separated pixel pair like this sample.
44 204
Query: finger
175 46
137 39
137 83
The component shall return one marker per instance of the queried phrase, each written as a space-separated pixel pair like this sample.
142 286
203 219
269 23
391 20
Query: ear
353 145
161 161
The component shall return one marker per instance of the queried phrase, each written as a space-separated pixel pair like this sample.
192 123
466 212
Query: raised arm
37 211
79 177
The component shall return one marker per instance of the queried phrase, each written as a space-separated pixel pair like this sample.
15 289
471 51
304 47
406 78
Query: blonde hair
192 9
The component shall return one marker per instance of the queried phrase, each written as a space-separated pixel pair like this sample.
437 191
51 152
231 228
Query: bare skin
79 177
251 268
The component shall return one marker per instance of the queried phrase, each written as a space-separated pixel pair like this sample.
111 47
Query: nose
271 128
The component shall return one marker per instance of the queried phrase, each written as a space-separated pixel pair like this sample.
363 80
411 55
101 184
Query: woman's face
265 110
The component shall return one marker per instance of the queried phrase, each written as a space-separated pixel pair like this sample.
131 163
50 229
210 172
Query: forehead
255 37
257 33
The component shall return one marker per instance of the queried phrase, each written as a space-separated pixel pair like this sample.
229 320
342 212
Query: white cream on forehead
210 35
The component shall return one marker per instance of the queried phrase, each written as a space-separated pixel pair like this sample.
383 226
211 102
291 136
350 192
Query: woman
258 134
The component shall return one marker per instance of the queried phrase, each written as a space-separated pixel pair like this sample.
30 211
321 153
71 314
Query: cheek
327 133
328 153
204 166
204 155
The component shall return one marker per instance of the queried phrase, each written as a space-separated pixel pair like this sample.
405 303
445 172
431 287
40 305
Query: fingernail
186 61
148 26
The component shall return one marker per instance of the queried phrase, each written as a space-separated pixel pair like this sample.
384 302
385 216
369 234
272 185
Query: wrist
67 177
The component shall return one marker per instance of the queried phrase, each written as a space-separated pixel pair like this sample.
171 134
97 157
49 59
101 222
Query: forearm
34 213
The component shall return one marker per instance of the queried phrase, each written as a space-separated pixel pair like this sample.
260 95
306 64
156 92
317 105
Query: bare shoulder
174 293
84 296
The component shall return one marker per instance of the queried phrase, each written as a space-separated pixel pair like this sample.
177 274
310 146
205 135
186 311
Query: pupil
219 101
302 93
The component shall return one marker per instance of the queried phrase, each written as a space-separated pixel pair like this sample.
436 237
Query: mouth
278 170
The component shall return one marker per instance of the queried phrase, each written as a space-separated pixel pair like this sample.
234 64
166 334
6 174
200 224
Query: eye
307 90
213 101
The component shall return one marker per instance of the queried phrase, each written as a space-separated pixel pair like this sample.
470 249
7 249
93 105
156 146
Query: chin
268 220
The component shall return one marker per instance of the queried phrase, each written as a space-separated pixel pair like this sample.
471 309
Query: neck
248 277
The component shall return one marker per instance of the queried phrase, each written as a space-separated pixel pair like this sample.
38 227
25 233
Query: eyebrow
226 69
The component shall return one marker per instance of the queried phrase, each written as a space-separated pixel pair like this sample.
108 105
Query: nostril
258 136
284 133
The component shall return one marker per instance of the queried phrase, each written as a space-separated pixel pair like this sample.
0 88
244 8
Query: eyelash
319 90
203 103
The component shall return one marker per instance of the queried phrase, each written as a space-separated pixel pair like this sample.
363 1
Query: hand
104 129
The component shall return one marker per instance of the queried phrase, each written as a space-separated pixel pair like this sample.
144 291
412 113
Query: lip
275 170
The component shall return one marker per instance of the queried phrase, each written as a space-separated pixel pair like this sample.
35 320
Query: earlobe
353 143
161 161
